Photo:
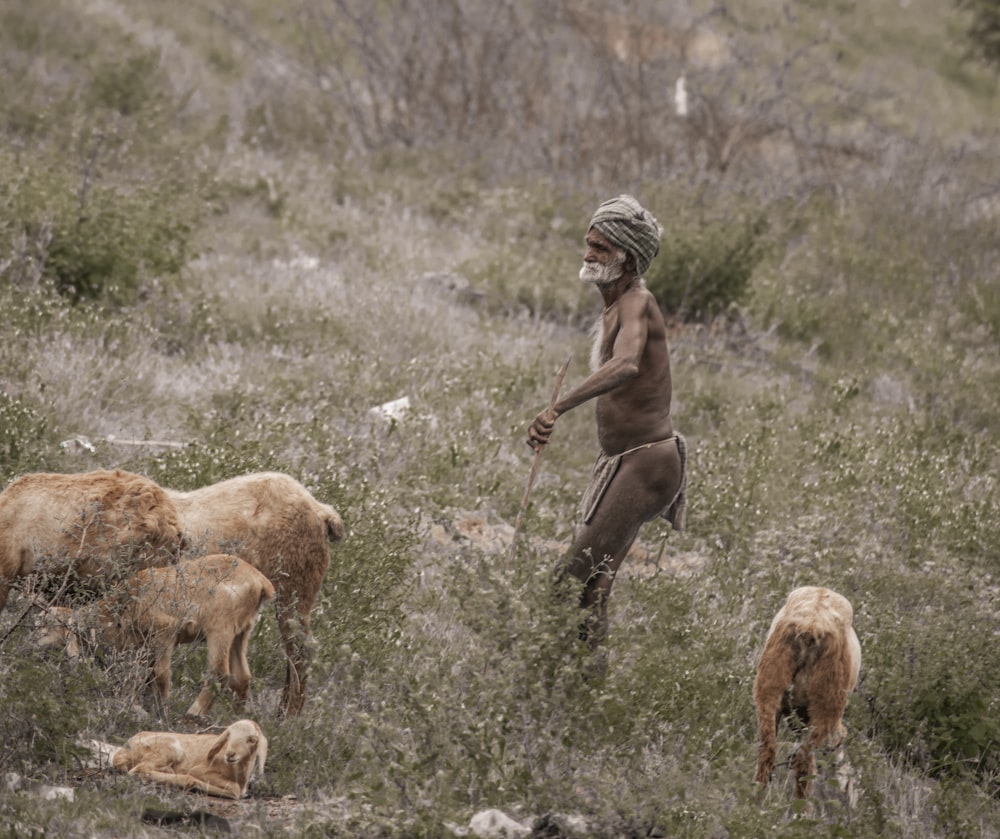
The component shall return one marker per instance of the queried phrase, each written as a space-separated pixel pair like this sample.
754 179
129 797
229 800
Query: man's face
603 262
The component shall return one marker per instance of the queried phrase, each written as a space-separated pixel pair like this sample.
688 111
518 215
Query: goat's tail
335 530
807 648
266 594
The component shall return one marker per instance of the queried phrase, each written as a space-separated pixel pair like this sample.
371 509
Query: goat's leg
804 766
161 677
775 674
768 716
239 666
217 674
825 733
295 634
223 789
827 703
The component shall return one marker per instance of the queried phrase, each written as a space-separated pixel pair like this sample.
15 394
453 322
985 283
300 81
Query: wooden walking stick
534 469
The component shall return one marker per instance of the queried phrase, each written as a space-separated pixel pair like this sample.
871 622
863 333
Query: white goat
275 524
808 668
217 598
94 523
217 764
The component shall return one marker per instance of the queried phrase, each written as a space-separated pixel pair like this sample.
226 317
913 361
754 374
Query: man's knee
576 566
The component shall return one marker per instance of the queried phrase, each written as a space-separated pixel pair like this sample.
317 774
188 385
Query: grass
444 685
841 417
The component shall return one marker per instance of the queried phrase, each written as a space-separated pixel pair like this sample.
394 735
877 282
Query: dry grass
842 429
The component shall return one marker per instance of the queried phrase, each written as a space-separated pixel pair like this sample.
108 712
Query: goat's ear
218 745
261 754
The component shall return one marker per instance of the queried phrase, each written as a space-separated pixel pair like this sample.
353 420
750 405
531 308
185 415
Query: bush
932 692
97 187
704 267
41 711
89 240
983 30
23 429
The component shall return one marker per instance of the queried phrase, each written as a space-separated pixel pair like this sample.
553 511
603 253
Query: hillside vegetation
228 231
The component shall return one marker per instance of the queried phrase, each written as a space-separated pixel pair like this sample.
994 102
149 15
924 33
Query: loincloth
607 466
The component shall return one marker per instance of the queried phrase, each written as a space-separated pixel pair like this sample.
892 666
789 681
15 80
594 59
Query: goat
275 524
216 598
86 524
217 764
808 668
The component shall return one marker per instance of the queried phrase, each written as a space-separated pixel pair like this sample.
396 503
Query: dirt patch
179 809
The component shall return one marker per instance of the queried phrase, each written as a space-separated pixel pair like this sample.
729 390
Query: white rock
394 410
48 793
495 824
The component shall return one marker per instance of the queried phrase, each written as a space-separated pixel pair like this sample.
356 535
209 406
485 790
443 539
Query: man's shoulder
640 298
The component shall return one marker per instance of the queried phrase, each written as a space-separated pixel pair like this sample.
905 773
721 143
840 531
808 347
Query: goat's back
813 626
249 505
89 514
164 749
267 518
816 610
202 591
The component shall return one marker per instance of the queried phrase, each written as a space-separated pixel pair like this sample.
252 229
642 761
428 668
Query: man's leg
646 482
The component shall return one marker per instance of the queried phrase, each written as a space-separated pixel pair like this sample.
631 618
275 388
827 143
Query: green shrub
705 265
23 431
983 30
127 86
931 687
368 578
97 188
89 240
41 710
958 725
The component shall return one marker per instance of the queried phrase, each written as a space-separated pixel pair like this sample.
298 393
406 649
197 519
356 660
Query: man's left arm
619 370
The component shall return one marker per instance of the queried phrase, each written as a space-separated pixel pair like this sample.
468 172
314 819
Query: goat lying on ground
217 764
808 668
89 523
216 598
275 524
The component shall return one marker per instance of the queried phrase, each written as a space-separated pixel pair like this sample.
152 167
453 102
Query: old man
640 471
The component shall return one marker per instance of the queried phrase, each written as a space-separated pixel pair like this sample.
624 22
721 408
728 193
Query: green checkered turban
627 224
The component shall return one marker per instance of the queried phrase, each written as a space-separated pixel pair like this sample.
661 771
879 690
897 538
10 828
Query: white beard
603 275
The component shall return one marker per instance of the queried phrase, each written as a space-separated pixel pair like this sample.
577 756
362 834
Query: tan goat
216 598
808 668
217 764
89 523
275 524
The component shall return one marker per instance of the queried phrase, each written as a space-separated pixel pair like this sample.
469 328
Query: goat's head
241 744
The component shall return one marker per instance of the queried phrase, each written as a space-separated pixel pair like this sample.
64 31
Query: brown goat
105 523
216 598
217 764
808 668
274 523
